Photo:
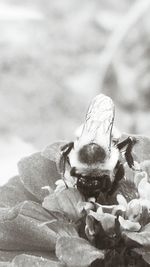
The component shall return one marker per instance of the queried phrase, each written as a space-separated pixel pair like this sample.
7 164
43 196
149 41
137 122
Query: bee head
91 154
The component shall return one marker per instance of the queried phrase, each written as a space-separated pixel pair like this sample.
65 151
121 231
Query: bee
95 157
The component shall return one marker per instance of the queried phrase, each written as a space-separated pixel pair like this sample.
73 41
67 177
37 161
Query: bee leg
128 143
119 174
65 150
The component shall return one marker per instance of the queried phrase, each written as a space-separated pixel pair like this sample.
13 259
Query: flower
43 222
127 223
36 222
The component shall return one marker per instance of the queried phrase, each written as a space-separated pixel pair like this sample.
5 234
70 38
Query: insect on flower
94 157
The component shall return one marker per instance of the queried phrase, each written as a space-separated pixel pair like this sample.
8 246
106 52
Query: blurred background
55 56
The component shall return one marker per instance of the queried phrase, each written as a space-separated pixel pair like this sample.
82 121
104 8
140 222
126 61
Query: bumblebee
95 156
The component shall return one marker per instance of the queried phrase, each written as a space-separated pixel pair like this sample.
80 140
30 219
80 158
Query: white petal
128 225
121 200
144 188
134 210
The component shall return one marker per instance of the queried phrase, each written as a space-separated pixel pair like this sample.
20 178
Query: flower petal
33 261
121 200
76 252
13 193
65 202
13 258
134 210
20 231
90 227
5 264
85 207
36 172
24 228
138 176
8 256
129 225
52 151
20 258
106 220
146 257
138 238
127 189
129 173
144 188
145 166
144 253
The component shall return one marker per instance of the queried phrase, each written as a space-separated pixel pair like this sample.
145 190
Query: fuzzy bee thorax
105 161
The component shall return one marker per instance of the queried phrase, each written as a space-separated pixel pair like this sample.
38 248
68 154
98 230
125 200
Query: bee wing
99 120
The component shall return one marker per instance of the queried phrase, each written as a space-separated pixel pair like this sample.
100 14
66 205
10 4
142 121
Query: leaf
76 252
141 238
36 172
14 192
29 227
65 202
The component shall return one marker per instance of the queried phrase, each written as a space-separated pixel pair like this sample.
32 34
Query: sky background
55 56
